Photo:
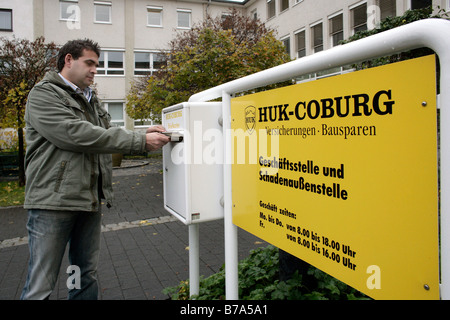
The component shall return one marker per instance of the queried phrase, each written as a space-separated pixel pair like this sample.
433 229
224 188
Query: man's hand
156 128
155 139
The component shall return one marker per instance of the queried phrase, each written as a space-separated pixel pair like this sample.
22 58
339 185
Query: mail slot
193 161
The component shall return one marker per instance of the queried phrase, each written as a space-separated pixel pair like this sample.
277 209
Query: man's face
82 70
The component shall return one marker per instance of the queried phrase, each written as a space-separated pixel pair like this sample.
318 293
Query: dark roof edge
231 2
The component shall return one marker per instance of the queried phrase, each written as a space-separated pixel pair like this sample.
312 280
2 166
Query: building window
224 16
300 43
317 37
287 44
419 4
111 63
184 19
254 15
154 16
284 5
102 11
69 10
116 111
359 18
336 24
145 63
388 8
6 23
142 123
270 9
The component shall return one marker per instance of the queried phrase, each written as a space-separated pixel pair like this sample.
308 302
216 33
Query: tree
215 51
23 63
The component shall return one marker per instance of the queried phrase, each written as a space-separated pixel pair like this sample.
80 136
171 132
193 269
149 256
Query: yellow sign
342 173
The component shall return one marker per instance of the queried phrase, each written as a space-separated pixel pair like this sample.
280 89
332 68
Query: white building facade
132 33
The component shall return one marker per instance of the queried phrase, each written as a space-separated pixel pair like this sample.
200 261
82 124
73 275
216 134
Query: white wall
22 18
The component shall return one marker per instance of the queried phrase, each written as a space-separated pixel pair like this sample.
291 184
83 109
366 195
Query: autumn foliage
23 63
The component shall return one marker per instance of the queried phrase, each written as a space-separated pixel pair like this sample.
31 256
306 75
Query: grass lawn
11 194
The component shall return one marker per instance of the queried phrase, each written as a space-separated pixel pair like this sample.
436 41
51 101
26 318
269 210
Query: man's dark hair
75 48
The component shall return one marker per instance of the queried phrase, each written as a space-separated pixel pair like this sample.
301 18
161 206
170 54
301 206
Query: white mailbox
193 161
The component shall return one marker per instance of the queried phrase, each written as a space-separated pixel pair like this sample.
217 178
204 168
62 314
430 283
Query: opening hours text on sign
342 173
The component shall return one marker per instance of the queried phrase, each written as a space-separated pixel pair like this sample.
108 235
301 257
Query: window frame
254 14
356 28
315 46
155 9
147 123
181 11
283 6
77 16
297 47
121 122
332 33
11 19
417 7
151 69
103 4
384 13
106 69
286 40
271 6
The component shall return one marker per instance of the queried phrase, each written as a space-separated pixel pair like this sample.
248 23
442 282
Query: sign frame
430 33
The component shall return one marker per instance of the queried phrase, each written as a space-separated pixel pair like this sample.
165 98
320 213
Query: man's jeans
48 234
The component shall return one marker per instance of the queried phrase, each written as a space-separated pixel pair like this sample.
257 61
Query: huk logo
250 115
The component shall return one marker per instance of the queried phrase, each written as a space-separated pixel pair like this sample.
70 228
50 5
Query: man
69 170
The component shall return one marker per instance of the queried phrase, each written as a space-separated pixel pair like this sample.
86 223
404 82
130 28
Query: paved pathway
143 248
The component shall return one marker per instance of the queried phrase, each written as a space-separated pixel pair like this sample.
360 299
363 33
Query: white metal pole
230 230
431 33
445 171
194 259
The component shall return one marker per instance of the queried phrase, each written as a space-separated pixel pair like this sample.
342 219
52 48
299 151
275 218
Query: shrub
259 280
